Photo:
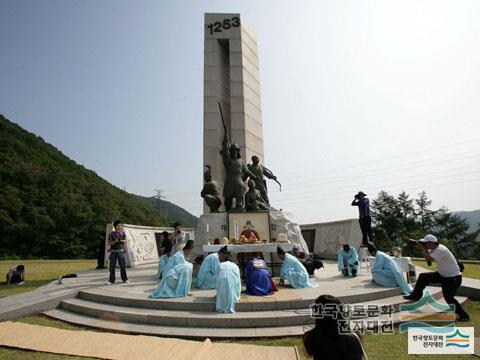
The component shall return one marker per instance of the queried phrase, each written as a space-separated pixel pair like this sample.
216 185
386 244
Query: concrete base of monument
215 225
128 309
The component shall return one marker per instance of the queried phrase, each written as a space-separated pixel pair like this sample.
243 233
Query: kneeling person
178 280
228 284
257 278
385 271
348 261
293 271
165 263
207 275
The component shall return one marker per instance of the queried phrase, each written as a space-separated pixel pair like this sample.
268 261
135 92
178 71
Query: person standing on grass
448 274
117 243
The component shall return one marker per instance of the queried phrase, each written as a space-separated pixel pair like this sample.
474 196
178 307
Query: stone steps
207 302
187 323
174 331
192 331
204 319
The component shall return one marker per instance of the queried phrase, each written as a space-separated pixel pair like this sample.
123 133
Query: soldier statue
253 198
210 191
236 172
260 171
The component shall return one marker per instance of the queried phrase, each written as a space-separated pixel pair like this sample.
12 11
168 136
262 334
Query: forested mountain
472 217
52 207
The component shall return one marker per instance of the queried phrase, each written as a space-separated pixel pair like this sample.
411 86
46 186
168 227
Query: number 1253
218 26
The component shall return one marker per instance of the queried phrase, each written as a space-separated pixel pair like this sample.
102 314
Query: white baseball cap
429 238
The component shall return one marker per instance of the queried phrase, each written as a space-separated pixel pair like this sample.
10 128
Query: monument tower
231 77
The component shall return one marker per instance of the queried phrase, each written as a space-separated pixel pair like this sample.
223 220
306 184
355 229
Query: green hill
52 207
472 217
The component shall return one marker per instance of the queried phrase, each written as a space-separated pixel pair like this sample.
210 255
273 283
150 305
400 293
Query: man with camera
448 273
365 220
178 238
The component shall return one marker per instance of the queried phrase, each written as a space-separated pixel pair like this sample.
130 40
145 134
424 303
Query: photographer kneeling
448 274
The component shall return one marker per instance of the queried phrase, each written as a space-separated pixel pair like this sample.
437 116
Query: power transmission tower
160 196
160 193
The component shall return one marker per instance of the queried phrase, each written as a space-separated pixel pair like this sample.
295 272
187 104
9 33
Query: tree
408 215
397 219
387 220
423 210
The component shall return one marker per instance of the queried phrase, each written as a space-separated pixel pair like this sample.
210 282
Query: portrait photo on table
249 225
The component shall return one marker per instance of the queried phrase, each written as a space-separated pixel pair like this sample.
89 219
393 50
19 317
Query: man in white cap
448 274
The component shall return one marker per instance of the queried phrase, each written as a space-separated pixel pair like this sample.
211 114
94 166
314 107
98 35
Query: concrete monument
231 77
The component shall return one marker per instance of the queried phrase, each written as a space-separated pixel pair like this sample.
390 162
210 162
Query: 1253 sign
218 26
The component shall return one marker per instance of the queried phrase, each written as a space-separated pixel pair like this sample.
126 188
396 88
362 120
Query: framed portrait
245 224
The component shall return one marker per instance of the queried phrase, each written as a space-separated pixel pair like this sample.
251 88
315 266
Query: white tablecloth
270 248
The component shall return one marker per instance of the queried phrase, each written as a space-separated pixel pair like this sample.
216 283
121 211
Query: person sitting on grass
16 275
228 284
293 271
208 272
178 280
348 261
325 341
164 263
385 271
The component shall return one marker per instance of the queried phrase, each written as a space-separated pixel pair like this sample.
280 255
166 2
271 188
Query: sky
356 95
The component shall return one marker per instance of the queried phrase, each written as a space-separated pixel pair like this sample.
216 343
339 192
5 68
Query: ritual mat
280 295
119 346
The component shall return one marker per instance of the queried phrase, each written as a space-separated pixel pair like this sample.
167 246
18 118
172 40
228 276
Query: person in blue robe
207 275
293 271
164 263
178 280
385 271
348 260
257 278
228 284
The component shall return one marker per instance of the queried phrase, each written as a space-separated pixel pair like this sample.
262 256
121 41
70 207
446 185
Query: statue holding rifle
236 172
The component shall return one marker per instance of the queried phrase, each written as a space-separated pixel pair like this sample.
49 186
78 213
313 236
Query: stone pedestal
215 225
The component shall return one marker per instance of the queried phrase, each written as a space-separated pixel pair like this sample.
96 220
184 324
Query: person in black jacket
325 342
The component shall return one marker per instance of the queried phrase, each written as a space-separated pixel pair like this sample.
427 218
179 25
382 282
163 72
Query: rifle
273 177
223 123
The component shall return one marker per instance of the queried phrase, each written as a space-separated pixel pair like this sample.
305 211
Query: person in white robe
178 280
228 284
293 271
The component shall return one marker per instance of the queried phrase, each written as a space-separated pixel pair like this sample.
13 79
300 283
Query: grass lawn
378 347
471 270
40 272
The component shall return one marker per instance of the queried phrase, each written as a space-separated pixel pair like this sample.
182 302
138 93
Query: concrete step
270 318
188 324
192 332
187 318
207 303
174 331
